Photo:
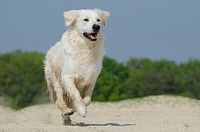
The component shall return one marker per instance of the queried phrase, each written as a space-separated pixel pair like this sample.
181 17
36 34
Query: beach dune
149 114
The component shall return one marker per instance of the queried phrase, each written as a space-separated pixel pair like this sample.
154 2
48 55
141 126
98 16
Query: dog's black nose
96 28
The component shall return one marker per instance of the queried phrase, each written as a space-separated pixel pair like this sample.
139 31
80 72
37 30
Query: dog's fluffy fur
74 63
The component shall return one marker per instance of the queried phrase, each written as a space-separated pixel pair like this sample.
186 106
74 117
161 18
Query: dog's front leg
88 93
72 91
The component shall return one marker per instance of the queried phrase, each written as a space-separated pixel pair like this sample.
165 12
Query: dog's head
88 23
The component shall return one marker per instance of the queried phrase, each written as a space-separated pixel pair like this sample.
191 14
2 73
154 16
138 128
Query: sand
150 114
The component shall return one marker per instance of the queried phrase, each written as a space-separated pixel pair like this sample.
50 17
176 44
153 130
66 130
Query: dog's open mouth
91 36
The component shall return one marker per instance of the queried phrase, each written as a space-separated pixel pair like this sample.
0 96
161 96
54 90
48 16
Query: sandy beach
150 114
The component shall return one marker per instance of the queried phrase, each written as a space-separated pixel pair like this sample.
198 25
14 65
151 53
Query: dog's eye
98 20
86 20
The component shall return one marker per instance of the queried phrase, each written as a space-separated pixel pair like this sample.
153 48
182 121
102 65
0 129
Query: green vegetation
22 79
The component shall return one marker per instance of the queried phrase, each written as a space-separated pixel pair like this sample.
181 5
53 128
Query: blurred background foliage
22 80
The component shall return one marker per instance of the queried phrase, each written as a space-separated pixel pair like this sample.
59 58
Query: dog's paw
67 120
81 109
68 112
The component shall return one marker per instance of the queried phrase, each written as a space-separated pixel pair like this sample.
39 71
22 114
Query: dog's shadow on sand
81 124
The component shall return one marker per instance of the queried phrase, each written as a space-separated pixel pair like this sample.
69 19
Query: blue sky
157 29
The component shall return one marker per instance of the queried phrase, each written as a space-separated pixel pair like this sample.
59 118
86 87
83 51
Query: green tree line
22 80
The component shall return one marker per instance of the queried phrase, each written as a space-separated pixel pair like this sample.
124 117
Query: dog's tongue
93 35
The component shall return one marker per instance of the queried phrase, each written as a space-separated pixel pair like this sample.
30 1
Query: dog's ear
70 17
104 14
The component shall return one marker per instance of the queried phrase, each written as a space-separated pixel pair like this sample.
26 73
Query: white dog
74 63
